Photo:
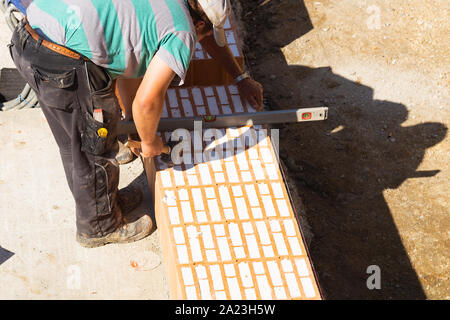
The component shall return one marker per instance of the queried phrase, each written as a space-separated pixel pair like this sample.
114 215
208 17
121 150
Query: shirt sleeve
176 49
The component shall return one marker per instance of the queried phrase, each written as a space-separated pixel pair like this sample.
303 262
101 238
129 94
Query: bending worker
74 52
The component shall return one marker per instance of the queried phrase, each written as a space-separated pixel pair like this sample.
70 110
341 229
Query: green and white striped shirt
120 35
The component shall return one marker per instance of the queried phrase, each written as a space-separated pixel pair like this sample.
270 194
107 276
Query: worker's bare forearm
249 89
149 103
146 118
223 56
126 89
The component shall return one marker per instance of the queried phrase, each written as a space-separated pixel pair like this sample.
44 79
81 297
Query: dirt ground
374 178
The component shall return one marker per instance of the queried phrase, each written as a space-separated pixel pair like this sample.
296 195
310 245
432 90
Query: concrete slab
37 226
39 257
5 38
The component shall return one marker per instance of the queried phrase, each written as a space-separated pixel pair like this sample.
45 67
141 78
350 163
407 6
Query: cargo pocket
106 182
92 140
56 88
105 99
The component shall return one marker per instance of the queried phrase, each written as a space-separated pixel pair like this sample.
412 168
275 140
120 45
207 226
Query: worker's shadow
340 166
343 165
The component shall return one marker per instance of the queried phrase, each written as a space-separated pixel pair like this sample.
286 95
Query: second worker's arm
249 89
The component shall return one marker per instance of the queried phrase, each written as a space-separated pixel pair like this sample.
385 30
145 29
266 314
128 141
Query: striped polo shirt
120 35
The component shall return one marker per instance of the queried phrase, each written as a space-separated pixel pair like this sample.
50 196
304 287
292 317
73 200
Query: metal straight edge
234 120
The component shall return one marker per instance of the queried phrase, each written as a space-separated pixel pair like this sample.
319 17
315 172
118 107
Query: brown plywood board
204 71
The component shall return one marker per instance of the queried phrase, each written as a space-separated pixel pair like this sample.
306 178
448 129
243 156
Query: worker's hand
150 149
252 91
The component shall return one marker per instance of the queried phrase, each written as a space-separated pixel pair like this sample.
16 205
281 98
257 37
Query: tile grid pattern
200 53
232 227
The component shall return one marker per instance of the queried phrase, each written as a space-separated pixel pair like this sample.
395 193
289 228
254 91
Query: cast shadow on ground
5 255
340 166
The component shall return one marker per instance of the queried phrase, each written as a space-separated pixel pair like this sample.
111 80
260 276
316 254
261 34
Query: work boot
125 155
129 198
125 233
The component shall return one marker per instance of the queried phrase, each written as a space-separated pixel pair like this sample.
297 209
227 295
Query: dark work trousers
68 90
